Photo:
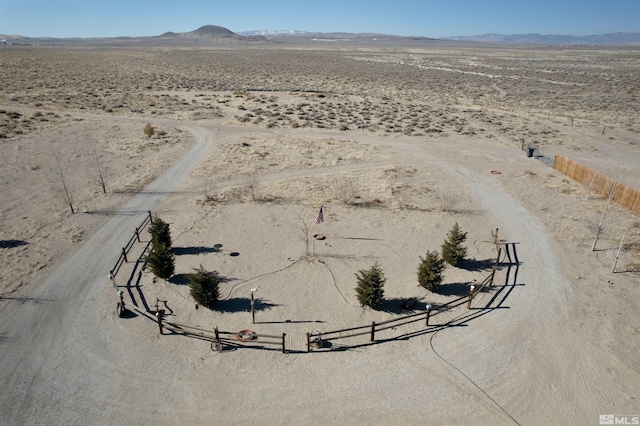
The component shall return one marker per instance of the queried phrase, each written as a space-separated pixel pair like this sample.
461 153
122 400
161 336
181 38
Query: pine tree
452 250
160 232
430 271
161 261
203 286
370 289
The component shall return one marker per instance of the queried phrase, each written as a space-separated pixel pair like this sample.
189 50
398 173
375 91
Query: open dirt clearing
554 342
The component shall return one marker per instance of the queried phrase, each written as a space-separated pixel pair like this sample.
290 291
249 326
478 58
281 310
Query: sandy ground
554 342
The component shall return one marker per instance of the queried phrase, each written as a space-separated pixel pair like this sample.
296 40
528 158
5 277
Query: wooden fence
315 340
625 196
240 338
125 250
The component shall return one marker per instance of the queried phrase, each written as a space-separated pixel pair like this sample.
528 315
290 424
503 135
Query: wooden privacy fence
625 196
125 250
316 340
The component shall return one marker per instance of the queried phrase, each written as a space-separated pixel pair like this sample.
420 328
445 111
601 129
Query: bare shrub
448 202
346 191
251 182
303 230
208 185
59 185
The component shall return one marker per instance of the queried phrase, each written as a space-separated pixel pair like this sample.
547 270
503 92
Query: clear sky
430 18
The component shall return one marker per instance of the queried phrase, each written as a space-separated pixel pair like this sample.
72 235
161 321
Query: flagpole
319 219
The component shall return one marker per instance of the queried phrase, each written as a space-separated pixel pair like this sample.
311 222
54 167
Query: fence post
215 330
159 315
138 234
284 350
470 296
150 217
124 254
308 343
373 331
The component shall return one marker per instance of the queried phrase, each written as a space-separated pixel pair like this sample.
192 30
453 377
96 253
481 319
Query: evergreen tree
430 271
160 232
203 286
452 250
370 289
161 261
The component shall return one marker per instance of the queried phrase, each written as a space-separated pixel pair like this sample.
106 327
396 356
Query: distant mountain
273 32
205 35
212 32
620 39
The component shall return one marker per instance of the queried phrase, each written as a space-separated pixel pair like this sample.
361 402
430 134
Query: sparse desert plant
99 174
448 202
452 250
370 289
251 182
430 271
204 286
62 188
346 190
149 130
303 229
209 187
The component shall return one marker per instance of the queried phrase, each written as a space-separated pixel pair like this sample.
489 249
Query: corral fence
318 340
125 250
623 195
241 338
250 339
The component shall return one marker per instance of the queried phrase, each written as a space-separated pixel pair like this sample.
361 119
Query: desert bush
149 130
346 191
203 286
430 271
448 202
452 250
370 289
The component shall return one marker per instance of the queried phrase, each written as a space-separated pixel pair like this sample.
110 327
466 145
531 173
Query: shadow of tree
183 279
12 243
454 289
242 304
400 305
179 251
476 265
23 300
179 279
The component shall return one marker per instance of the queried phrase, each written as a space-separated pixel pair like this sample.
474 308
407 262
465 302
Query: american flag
320 218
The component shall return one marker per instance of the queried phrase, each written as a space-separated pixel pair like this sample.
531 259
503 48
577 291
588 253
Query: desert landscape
397 143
